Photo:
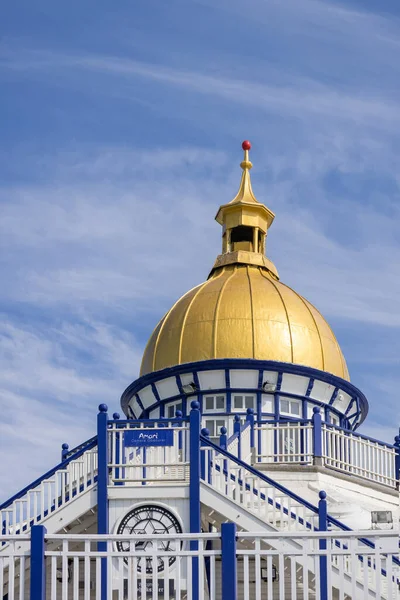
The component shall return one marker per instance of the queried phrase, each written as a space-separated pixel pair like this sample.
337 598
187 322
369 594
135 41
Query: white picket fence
343 450
138 465
359 455
50 493
281 566
242 485
284 442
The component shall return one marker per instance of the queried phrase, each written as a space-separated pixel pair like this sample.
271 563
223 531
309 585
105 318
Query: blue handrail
90 444
331 520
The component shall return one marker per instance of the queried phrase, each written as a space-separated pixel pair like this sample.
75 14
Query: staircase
68 487
240 493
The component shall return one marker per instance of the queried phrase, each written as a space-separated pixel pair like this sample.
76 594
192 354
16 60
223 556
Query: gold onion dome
243 310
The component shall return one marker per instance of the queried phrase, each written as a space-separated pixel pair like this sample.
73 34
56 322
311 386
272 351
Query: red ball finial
246 145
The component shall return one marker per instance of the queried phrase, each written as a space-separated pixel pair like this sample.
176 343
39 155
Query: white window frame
222 422
291 402
243 396
175 405
214 403
334 419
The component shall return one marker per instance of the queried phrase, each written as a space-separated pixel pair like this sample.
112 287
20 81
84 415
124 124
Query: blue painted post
102 495
64 451
323 560
250 419
194 490
237 427
223 438
118 472
203 454
397 460
38 564
229 563
317 435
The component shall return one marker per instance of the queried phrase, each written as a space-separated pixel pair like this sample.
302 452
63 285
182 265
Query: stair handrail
80 447
331 520
91 443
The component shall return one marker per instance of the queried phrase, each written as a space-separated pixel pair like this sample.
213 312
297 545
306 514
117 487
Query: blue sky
120 137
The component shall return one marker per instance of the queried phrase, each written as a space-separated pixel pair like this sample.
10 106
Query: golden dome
243 310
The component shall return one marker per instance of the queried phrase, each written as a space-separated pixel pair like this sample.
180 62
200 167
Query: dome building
244 340
237 473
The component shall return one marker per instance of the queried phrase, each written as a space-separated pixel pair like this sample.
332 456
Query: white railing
353 570
282 565
14 559
245 443
242 485
139 465
359 455
285 512
161 564
284 442
50 493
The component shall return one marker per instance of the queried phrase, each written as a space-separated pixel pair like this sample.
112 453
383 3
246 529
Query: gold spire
245 222
245 193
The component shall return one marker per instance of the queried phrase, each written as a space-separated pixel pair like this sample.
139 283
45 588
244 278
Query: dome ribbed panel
234 315
198 334
273 339
306 342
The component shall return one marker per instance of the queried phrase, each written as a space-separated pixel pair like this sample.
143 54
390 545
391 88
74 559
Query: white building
237 471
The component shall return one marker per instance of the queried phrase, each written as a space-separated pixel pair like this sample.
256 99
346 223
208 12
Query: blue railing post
203 457
194 491
102 495
397 459
317 435
117 441
64 451
223 438
250 419
323 560
237 428
229 562
38 563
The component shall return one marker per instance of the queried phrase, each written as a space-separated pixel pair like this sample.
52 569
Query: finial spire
246 163
245 193
245 222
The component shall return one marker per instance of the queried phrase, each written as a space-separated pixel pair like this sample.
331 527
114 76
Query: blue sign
149 437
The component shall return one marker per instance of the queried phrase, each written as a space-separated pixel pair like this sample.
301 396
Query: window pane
209 402
218 424
211 427
249 402
295 408
171 411
285 406
237 401
220 402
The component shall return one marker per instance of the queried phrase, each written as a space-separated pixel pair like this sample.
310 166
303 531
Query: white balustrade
14 559
279 565
138 465
161 564
242 485
245 443
354 570
284 442
356 454
50 493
